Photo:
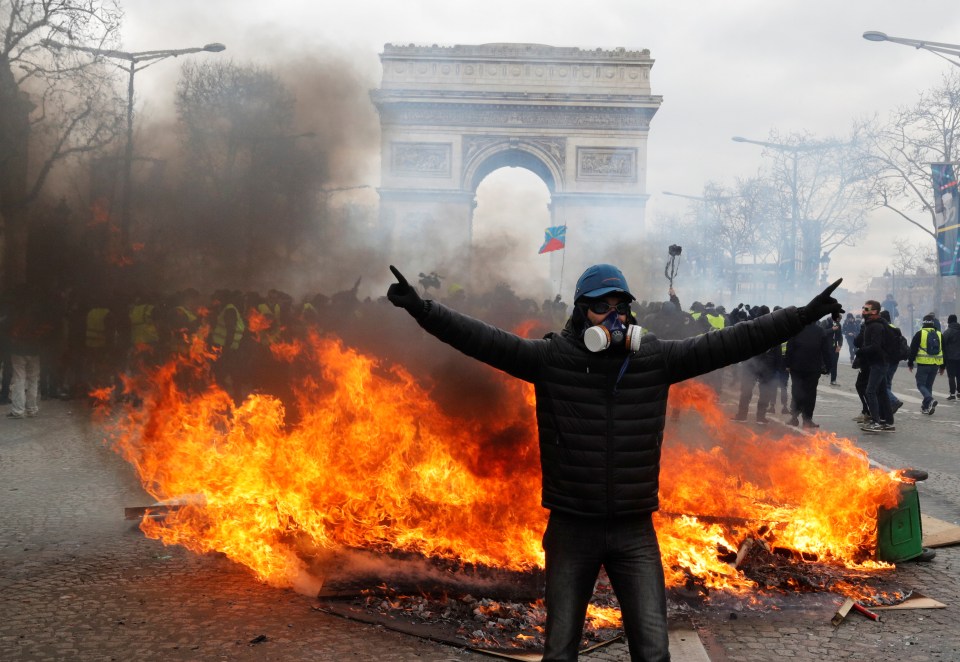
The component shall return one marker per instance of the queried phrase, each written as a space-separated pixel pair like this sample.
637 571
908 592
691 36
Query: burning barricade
375 466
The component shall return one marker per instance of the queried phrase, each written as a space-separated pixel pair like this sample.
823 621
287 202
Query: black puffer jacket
600 436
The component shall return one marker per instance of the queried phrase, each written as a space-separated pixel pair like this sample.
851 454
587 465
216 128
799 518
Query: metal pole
125 202
794 214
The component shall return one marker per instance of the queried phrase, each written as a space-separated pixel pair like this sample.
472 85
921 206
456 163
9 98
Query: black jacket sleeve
716 349
516 356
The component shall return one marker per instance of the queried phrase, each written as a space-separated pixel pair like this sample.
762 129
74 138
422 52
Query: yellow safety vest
922 356
271 334
182 336
97 327
142 329
220 331
716 321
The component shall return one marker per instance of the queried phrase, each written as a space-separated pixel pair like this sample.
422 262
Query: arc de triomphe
452 115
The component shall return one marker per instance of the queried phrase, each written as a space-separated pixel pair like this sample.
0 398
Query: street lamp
935 47
824 268
135 62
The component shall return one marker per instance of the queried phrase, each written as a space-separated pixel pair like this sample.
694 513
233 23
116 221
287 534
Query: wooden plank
915 601
842 612
938 533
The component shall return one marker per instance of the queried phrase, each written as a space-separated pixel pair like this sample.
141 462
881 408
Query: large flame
373 462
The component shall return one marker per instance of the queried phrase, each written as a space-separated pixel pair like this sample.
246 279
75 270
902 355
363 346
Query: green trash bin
899 535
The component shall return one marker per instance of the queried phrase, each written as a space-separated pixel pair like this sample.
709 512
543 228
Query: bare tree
911 259
255 176
53 104
824 189
901 149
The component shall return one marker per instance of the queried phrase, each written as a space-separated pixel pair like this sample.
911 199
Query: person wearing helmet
601 389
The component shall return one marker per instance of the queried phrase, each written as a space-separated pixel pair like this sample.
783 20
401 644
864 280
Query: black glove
821 305
402 295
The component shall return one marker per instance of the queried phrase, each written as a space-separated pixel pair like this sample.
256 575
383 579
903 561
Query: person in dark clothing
601 399
890 305
760 370
951 354
892 351
850 330
834 333
873 360
808 356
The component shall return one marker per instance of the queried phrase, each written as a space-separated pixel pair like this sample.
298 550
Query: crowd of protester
68 344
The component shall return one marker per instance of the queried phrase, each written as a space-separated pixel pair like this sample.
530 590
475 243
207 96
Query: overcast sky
738 67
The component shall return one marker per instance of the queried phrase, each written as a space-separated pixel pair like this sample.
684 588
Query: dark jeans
576 548
878 403
804 393
861 385
953 371
782 380
833 367
891 371
926 374
749 376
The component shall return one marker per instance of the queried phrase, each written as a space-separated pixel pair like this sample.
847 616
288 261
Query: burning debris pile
484 623
373 462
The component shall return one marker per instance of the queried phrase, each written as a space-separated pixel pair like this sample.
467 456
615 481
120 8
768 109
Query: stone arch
449 116
499 152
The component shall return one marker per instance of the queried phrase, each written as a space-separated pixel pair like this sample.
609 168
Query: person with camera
601 389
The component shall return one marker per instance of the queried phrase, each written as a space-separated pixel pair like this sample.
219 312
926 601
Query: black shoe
952 396
896 406
887 427
933 407
810 425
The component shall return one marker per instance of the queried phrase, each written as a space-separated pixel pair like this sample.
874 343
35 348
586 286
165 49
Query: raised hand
402 295
823 304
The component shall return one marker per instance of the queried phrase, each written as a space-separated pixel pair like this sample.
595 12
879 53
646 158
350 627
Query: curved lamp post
937 48
134 62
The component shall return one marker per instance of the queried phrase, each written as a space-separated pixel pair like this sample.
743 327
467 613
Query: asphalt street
78 582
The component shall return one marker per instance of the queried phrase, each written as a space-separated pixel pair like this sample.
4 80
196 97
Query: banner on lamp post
946 208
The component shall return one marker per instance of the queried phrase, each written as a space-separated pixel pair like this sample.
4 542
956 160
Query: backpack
894 345
933 343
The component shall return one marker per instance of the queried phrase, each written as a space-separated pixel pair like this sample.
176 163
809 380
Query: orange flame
374 463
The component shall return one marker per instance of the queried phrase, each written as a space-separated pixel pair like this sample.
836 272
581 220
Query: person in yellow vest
227 334
926 351
144 333
182 321
101 346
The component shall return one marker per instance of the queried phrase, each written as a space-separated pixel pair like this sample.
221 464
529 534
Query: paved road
77 582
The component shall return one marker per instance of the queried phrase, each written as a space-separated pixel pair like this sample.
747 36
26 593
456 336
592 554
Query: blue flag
555 239
946 207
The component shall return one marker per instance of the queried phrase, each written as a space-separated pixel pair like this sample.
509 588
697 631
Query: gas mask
611 331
